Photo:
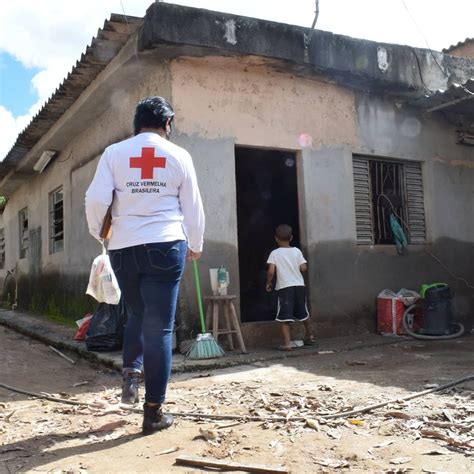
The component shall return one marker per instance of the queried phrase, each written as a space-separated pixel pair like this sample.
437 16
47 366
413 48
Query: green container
427 286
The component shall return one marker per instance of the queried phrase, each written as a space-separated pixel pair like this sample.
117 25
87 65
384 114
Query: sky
40 41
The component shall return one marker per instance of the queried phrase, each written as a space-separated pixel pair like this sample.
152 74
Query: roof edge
102 49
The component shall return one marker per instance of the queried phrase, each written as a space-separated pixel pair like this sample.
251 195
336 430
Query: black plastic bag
106 328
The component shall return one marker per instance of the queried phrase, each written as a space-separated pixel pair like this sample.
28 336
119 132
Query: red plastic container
390 312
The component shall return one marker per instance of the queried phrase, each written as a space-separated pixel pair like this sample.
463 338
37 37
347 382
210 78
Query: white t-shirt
287 261
156 195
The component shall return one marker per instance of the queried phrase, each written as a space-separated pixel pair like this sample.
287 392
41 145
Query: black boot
130 383
154 420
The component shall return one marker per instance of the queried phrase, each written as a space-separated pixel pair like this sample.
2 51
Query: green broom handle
199 297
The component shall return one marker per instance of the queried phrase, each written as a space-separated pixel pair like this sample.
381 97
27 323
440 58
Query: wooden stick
247 418
46 397
60 354
230 465
398 400
446 424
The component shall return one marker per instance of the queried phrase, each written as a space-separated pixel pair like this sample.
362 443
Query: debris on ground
431 433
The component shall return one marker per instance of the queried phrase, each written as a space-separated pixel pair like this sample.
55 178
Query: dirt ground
429 434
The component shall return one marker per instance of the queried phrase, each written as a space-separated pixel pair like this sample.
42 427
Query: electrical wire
425 248
419 70
307 39
424 37
129 31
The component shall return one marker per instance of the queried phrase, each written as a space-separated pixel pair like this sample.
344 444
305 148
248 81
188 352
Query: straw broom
205 346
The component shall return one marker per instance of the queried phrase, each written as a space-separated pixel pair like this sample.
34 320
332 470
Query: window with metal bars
382 188
56 221
24 234
2 248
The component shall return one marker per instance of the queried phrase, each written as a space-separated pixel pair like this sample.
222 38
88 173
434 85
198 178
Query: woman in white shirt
157 219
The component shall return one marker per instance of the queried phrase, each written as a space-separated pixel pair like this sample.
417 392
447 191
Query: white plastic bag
103 285
408 297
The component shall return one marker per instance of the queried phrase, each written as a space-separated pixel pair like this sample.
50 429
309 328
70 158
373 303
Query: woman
157 217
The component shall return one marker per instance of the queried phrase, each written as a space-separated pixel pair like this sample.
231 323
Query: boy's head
284 234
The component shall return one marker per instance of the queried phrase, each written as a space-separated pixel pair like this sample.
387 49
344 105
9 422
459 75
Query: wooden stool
232 325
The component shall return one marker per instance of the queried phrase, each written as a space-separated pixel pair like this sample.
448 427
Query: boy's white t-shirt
287 261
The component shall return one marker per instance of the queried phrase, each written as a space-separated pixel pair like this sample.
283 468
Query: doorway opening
267 195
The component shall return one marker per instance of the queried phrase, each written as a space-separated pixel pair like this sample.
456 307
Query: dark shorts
292 304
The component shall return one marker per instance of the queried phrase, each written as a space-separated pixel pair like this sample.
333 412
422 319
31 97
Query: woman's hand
194 255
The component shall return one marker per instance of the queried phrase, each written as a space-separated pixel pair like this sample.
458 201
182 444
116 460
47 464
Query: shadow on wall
214 254
60 297
345 279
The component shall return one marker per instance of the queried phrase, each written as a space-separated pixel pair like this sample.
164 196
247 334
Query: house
462 49
330 137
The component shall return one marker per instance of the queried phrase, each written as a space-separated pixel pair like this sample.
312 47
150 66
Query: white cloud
52 34
11 127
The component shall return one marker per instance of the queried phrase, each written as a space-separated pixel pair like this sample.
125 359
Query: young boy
289 264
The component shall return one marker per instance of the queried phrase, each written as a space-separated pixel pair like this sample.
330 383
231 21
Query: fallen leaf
400 460
330 462
114 435
168 451
310 423
334 434
9 415
355 422
397 414
113 425
414 424
448 416
383 444
437 451
450 440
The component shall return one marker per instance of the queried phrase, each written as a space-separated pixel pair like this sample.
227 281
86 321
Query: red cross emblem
147 162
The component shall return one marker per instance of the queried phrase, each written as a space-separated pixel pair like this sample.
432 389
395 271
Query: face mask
168 133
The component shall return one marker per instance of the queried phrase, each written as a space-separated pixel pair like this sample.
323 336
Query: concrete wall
59 289
346 278
223 102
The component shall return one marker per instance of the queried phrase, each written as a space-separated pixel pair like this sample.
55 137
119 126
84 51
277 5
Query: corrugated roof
456 46
457 99
103 48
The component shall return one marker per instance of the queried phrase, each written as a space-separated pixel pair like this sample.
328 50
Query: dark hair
152 112
284 232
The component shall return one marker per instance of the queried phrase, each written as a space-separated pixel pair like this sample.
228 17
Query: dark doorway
267 195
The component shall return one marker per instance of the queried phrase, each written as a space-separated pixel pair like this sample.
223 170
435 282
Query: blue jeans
149 277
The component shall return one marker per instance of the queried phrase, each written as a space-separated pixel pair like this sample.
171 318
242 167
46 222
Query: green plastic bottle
222 280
